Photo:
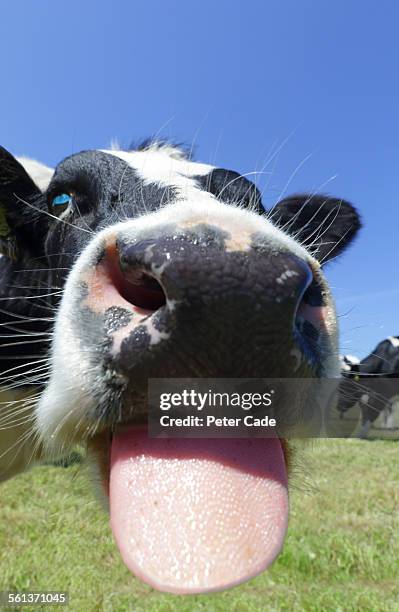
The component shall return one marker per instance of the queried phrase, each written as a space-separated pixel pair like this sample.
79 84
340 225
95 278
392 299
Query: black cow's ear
325 225
21 222
230 186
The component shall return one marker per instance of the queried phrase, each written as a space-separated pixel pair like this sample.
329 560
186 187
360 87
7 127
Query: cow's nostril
134 281
313 296
141 289
309 317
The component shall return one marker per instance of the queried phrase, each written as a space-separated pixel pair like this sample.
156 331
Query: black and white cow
143 264
371 383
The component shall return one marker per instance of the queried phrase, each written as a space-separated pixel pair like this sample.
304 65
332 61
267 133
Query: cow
120 266
371 383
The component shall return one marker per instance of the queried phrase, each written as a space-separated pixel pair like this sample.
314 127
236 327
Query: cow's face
174 270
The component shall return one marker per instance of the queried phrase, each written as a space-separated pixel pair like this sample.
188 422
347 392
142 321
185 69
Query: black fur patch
229 186
325 224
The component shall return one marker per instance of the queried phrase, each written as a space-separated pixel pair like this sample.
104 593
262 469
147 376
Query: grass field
341 552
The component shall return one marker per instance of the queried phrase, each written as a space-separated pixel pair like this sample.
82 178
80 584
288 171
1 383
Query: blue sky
307 92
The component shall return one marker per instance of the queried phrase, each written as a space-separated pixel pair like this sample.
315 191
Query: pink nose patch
193 516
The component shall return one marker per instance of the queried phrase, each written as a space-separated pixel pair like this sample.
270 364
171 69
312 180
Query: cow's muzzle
184 305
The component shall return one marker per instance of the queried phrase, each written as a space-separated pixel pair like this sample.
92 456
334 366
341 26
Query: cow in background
372 383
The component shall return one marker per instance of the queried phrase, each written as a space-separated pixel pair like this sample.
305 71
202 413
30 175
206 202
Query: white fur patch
157 166
39 173
352 359
67 397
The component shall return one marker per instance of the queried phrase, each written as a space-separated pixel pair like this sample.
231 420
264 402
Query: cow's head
174 269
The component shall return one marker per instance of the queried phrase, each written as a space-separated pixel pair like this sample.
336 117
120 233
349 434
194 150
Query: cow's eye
60 202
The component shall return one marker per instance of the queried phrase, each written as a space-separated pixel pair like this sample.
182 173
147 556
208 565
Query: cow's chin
181 508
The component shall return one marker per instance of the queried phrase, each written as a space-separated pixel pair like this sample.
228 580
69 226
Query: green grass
341 552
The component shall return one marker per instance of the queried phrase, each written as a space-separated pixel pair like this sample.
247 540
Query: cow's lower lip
194 516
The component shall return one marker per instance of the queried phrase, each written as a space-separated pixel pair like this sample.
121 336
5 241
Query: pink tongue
197 515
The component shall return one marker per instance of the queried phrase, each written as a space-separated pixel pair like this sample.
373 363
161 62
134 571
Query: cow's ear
232 187
325 225
22 224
